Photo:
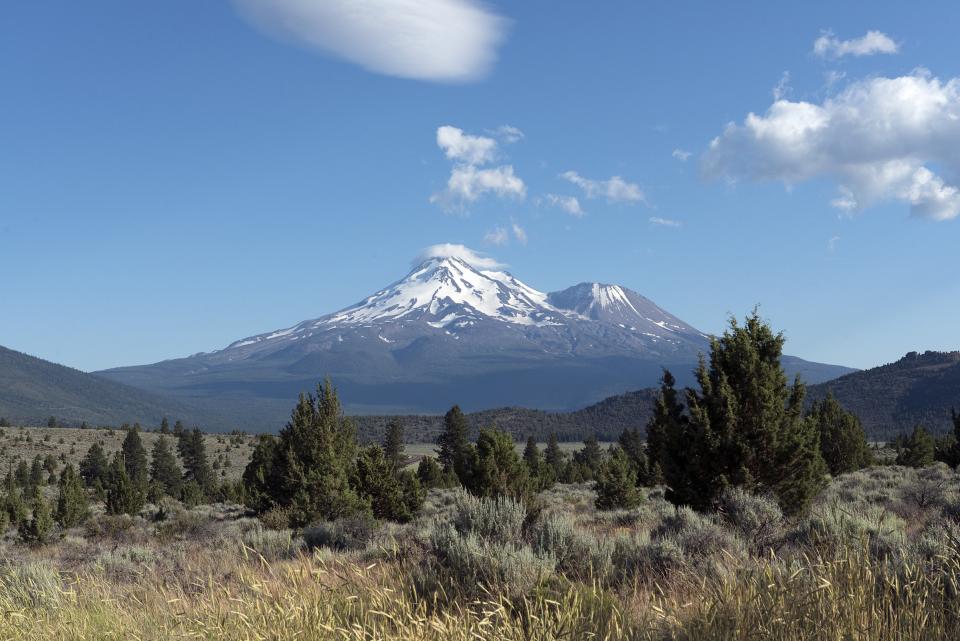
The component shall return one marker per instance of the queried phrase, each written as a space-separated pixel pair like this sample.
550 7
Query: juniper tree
164 469
554 457
497 470
631 442
393 449
744 427
616 485
13 503
94 466
258 474
431 475
456 453
36 473
949 451
135 458
123 495
918 449
541 474
164 426
387 491
196 466
314 458
843 443
589 458
39 528
73 508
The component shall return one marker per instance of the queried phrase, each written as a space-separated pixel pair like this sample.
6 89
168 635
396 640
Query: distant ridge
32 390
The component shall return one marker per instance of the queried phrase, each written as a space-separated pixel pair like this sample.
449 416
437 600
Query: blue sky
177 175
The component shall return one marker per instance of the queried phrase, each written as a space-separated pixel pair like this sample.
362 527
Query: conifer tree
13 503
135 458
554 456
843 443
179 431
430 474
314 458
949 452
497 469
164 469
616 485
36 473
94 466
376 481
22 475
196 466
164 426
589 458
39 528
631 442
123 496
744 427
456 453
73 508
918 449
393 448
259 474
540 474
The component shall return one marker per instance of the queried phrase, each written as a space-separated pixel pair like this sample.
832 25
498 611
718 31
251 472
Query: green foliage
259 473
918 449
314 458
431 475
554 457
497 470
456 454
73 507
164 469
588 459
631 442
843 443
948 450
123 495
541 475
376 481
94 466
743 428
13 503
616 484
393 445
135 459
196 467
39 529
345 533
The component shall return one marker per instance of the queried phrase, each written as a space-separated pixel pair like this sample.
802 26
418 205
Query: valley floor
876 559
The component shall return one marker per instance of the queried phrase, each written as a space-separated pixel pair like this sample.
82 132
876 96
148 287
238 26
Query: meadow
877 557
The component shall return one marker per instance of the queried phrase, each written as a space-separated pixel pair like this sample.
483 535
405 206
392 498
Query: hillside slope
32 389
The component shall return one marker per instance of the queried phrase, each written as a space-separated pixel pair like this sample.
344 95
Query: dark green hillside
32 390
891 399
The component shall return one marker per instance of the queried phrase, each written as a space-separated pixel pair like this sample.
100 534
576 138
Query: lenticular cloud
438 40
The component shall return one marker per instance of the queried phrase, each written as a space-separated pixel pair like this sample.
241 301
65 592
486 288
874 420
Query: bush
638 559
578 555
348 533
835 527
272 545
757 519
276 518
498 519
126 562
701 538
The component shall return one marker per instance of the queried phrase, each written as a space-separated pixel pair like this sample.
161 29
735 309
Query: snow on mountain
618 305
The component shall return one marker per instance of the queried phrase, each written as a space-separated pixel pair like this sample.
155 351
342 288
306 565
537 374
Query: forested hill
893 398
605 420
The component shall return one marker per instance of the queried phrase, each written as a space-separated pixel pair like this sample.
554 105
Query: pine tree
178 430
376 481
430 474
843 443
314 458
123 496
196 466
39 528
135 459
540 474
456 453
589 458
918 449
631 442
498 471
164 469
36 473
22 475
744 427
393 448
554 456
164 426
73 508
616 485
259 473
94 466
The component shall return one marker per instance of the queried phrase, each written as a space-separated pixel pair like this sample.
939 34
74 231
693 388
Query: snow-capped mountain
454 330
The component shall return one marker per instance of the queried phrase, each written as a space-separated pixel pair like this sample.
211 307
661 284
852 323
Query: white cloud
497 236
569 204
832 243
878 139
664 222
615 190
681 155
458 146
873 42
509 134
439 40
467 183
450 250
782 89
519 233
469 179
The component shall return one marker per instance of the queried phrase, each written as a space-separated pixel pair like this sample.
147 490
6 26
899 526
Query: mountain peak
618 305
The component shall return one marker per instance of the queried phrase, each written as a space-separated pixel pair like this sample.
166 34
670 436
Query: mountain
31 390
892 398
450 331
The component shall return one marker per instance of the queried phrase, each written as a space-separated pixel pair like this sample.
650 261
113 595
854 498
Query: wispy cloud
782 89
508 134
832 243
519 233
462 147
438 40
664 222
681 155
615 189
873 42
464 253
497 236
569 204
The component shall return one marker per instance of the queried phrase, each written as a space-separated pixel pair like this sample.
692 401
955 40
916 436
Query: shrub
616 484
347 533
272 545
636 558
578 554
835 527
757 519
498 519
700 537
276 518
126 562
